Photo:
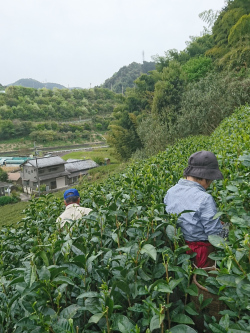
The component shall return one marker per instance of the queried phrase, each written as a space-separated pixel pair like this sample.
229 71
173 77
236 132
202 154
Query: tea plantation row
124 268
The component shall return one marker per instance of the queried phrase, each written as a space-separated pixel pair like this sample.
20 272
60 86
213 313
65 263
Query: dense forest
190 91
126 76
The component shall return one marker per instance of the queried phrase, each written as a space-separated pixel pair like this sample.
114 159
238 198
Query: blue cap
72 192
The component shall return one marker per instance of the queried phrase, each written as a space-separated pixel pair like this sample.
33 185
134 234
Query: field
100 153
124 267
12 213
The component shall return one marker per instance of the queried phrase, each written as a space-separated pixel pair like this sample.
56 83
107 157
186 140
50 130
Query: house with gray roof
78 168
53 172
48 171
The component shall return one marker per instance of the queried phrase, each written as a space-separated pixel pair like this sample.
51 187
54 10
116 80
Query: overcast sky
81 42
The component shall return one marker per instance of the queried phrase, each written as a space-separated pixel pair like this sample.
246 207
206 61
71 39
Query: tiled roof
45 161
14 176
79 165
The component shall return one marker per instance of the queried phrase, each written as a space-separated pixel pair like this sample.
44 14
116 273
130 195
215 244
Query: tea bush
124 267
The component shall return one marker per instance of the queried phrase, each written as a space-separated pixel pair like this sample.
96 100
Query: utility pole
37 176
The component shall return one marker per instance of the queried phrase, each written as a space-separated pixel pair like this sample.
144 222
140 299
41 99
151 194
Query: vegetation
12 213
3 175
5 200
101 153
70 114
126 76
191 91
124 267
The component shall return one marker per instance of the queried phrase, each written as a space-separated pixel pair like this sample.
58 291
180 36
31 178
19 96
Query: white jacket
72 212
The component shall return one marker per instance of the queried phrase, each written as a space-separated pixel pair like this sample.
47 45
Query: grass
95 153
12 213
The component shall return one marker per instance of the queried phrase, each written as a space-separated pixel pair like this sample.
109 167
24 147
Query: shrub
7 200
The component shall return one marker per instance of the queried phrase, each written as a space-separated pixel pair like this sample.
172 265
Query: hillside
61 115
126 76
124 268
191 91
31 83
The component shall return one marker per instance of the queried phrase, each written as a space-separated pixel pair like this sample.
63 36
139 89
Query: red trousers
202 251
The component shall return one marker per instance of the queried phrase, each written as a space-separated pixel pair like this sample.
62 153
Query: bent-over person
190 194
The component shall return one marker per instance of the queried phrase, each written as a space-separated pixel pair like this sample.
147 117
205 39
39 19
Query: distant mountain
126 75
30 83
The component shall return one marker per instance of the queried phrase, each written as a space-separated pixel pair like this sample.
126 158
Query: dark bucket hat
203 164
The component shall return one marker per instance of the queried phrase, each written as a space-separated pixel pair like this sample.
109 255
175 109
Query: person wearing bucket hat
189 194
73 211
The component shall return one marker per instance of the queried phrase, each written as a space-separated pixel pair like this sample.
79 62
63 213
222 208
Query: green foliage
36 104
3 175
226 20
123 136
168 92
99 160
181 108
5 200
204 106
154 138
240 31
196 68
126 76
124 267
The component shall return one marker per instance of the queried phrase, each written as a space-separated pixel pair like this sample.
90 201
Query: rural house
53 172
78 168
50 170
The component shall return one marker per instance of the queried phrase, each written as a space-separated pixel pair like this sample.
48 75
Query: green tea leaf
182 329
154 323
183 319
217 241
150 250
88 294
63 279
95 318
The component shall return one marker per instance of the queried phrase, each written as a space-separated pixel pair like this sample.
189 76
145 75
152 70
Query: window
53 185
53 169
40 171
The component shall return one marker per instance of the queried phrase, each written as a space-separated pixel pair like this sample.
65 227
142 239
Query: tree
124 137
167 96
197 68
3 175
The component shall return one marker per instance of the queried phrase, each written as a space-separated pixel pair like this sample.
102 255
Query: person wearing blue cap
73 211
